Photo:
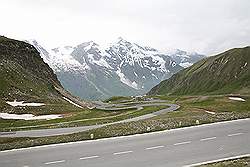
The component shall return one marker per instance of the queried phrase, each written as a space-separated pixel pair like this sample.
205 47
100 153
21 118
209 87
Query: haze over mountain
122 68
226 73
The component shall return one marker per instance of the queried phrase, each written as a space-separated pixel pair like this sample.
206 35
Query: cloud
206 26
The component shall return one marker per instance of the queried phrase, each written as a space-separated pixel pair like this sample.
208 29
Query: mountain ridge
121 68
225 73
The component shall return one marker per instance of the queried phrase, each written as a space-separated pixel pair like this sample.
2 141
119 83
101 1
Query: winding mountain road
103 106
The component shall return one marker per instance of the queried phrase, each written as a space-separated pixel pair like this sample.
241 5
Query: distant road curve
103 106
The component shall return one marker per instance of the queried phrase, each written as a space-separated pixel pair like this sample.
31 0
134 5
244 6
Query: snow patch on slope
186 64
61 59
126 81
28 116
21 103
71 102
101 62
237 98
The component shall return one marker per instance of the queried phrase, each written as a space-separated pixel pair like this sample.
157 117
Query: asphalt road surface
64 131
177 147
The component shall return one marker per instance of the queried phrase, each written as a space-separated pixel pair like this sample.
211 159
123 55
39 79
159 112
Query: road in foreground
176 147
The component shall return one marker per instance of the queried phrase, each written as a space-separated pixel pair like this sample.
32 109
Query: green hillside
228 72
25 77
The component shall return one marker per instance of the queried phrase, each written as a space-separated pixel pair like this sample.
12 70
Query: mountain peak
121 40
88 44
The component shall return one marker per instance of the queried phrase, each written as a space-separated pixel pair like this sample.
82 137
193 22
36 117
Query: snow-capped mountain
59 59
123 68
185 59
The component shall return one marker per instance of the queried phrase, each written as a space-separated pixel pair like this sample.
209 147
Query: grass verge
241 162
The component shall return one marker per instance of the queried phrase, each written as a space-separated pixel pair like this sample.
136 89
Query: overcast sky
204 26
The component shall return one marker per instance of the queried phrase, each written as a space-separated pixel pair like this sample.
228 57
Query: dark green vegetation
117 99
193 108
128 99
241 162
228 72
25 77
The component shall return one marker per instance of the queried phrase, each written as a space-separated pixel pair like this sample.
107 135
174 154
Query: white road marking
155 147
235 134
124 152
90 157
186 142
218 160
54 162
209 138
221 148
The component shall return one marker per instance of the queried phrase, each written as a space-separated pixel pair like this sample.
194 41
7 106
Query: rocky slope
228 72
25 77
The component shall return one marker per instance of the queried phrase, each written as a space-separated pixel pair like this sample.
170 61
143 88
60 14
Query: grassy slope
225 73
22 70
25 77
